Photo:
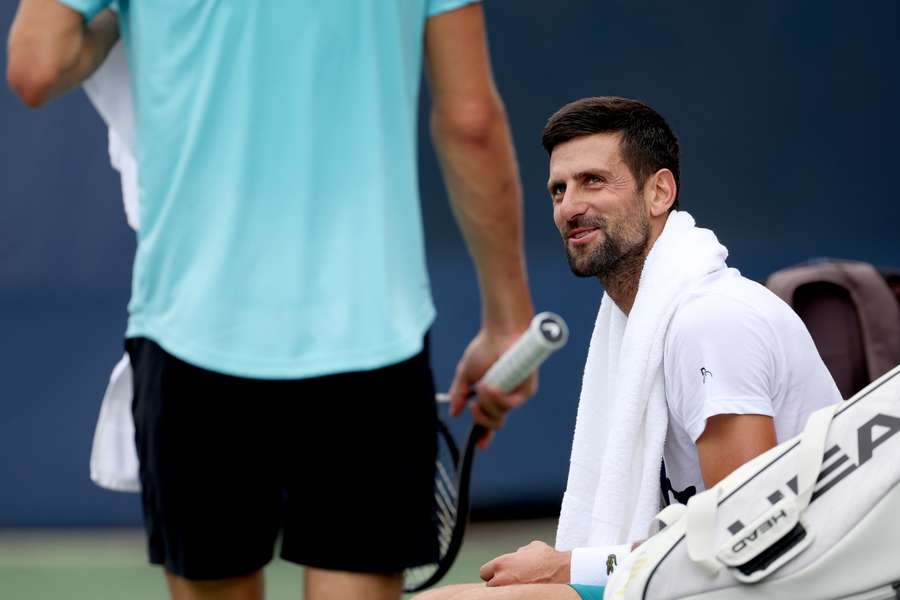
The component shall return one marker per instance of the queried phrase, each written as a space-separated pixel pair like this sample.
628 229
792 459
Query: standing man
690 365
279 286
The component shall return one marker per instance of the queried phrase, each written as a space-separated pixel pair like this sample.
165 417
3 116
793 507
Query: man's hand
492 405
535 563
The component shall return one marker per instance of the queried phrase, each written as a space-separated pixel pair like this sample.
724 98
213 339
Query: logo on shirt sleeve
705 372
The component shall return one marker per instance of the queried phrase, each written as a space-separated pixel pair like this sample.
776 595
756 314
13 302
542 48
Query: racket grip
546 334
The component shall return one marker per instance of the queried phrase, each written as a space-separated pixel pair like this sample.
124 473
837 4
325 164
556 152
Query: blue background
787 116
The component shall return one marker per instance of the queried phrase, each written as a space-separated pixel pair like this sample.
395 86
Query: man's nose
571 206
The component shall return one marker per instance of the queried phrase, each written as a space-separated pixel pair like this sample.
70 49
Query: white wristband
593 566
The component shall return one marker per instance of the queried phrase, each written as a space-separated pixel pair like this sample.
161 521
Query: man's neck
622 283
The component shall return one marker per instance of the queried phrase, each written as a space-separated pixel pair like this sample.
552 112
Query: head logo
761 529
866 442
705 372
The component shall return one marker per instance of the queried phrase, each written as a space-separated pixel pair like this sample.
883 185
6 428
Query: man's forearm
50 51
478 161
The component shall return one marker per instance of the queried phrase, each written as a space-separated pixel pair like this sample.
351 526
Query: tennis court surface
111 565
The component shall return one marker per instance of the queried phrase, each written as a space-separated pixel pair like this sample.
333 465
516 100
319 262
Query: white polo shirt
733 347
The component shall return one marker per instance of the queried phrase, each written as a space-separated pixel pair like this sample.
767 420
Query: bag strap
667 516
812 453
700 526
702 509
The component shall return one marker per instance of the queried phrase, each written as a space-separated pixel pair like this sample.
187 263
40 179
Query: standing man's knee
247 587
322 584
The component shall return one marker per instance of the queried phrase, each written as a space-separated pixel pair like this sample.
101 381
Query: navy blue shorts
341 466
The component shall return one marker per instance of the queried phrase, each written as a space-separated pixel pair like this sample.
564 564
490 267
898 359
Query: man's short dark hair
648 143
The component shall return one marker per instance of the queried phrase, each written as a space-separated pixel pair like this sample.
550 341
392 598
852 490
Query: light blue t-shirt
280 233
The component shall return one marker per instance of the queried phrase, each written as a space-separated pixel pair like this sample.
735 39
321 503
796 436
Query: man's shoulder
724 297
732 309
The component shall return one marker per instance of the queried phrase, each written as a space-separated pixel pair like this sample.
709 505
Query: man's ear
660 191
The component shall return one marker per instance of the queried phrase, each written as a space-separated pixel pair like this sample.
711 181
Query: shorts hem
210 574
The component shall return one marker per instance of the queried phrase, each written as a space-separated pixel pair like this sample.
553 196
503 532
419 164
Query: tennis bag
816 517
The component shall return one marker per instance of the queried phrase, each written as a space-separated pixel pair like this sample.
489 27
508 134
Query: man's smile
580 236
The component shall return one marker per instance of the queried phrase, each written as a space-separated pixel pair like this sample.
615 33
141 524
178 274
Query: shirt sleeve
719 359
88 8
593 566
436 7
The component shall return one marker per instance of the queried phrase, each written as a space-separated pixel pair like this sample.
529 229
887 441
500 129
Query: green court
111 564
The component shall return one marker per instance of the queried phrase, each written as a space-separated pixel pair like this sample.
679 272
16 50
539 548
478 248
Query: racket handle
546 334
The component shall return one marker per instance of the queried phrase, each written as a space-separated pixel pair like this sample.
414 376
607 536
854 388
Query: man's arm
51 50
729 441
473 143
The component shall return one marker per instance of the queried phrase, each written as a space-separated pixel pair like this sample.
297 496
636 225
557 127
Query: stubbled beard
617 249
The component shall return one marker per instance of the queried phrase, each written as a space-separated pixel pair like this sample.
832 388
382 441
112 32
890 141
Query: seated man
691 365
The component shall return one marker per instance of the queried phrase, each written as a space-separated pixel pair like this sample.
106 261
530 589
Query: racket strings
445 495
446 498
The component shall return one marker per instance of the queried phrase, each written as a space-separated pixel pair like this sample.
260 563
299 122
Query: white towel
613 489
109 90
114 461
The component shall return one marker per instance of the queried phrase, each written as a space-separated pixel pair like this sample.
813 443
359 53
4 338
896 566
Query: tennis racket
546 334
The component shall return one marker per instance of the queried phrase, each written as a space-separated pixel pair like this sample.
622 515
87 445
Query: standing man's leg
335 585
359 455
211 496
248 587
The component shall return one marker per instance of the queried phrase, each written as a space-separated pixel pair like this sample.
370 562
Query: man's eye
557 189
594 179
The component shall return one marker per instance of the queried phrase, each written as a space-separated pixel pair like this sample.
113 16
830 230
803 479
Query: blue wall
787 115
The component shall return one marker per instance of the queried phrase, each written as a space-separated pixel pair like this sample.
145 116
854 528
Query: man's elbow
32 80
35 66
472 123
